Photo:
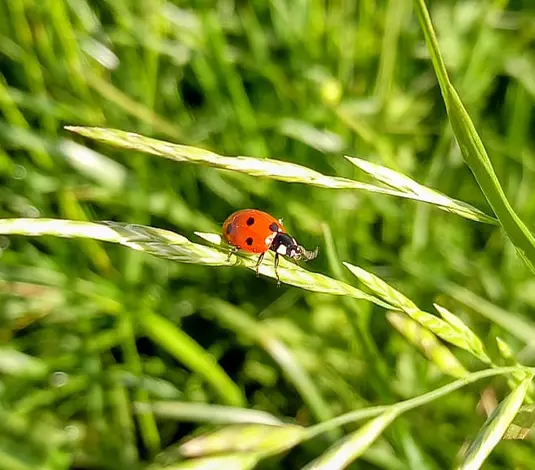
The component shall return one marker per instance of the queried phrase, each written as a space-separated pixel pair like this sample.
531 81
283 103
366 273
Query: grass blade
209 413
509 358
471 340
495 427
245 438
407 185
187 351
354 445
428 343
19 364
154 241
472 147
174 247
411 403
276 169
435 325
227 462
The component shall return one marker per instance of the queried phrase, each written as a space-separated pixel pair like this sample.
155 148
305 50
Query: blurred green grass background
300 81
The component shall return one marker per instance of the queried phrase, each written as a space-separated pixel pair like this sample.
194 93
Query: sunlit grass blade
506 352
208 413
267 439
354 445
172 246
443 329
383 289
407 185
19 364
410 404
276 169
226 462
494 428
72 209
160 243
428 344
510 359
154 241
93 165
471 342
472 147
295 275
321 140
191 354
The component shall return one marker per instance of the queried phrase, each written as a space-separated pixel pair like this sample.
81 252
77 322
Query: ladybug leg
260 258
232 251
276 267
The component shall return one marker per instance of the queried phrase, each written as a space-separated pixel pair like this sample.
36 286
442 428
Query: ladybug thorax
285 245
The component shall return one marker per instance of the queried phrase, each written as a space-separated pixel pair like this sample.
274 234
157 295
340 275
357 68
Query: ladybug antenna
309 255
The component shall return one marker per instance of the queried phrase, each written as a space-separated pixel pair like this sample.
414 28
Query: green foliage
495 428
354 445
154 350
473 149
398 185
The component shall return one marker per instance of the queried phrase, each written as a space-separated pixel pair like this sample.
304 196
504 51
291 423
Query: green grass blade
441 328
148 428
411 403
509 358
495 427
18 364
428 344
208 413
227 462
473 149
93 165
188 352
293 274
354 445
276 169
157 242
267 439
471 340
403 183
172 246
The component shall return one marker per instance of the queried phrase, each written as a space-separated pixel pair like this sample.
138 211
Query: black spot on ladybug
249 241
274 227
250 221
230 227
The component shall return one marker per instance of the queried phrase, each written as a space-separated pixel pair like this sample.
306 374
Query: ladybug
257 232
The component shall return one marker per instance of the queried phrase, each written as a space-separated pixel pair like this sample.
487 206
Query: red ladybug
257 232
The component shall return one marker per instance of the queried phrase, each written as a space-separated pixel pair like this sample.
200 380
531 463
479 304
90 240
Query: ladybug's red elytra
257 232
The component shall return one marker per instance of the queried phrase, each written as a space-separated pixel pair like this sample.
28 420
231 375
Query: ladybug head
285 245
